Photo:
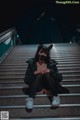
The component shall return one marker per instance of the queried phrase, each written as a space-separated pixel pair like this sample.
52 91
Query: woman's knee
49 78
47 75
39 76
37 80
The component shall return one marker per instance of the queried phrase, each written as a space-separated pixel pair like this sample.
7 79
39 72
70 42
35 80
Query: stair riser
62 70
19 91
38 100
21 80
17 76
6 67
23 73
40 112
19 83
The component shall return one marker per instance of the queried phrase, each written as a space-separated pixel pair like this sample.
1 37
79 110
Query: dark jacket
30 76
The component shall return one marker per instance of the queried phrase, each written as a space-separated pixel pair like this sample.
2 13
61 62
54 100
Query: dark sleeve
53 66
55 73
28 74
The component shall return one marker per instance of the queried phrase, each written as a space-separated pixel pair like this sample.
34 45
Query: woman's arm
55 73
28 74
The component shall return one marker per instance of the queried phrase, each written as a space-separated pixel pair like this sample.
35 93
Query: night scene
39 60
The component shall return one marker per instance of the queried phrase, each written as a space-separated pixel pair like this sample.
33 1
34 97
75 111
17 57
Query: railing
7 41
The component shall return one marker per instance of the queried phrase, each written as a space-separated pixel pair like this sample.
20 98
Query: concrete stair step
64 110
63 61
25 67
70 82
75 60
30 53
59 65
40 99
11 80
21 81
13 67
14 86
4 83
60 59
21 62
17 76
23 72
20 90
5 69
24 56
61 118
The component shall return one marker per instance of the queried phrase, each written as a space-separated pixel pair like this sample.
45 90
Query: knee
38 76
47 75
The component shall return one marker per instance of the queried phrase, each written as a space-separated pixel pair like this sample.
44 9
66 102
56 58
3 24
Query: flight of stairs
12 73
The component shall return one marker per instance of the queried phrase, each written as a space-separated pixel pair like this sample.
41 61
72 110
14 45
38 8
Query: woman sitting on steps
42 73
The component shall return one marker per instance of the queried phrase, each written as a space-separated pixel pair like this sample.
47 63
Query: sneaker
55 101
29 103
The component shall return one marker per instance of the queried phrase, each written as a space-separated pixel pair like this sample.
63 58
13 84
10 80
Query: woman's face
42 53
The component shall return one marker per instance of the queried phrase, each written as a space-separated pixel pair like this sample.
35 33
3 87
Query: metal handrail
8 33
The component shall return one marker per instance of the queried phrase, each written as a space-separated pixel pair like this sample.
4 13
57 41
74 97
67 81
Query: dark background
40 20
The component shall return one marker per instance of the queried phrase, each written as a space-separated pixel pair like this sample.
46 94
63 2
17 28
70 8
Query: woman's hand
36 72
42 71
46 71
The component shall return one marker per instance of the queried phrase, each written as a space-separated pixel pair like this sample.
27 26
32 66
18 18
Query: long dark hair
46 50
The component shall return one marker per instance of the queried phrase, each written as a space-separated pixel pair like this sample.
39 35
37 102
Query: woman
42 73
